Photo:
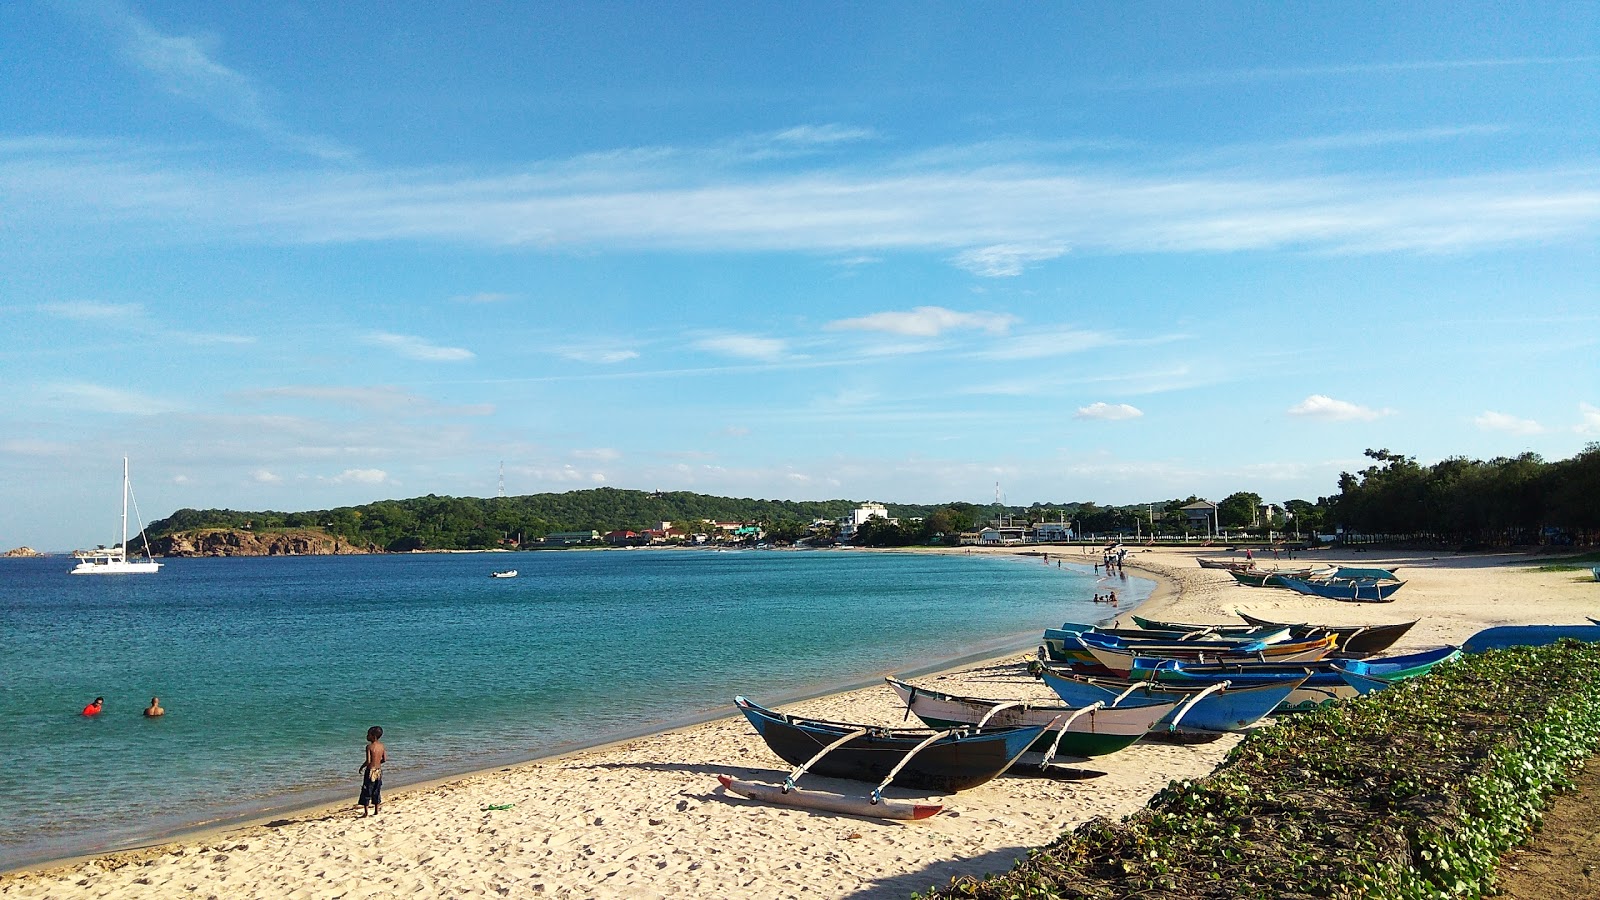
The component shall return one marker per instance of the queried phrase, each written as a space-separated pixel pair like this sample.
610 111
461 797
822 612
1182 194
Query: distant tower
502 492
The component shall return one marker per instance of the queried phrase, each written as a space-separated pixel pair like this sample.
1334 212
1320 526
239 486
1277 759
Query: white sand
646 817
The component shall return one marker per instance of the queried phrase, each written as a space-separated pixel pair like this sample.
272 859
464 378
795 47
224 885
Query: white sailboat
115 561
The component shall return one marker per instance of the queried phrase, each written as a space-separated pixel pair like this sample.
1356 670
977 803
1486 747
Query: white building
859 517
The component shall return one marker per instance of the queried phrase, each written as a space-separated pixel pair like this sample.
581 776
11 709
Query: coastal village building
859 517
569 538
1052 531
1201 514
1008 535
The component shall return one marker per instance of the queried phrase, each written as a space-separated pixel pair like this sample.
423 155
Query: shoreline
643 817
321 801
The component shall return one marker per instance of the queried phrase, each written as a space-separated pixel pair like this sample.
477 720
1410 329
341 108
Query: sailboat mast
124 505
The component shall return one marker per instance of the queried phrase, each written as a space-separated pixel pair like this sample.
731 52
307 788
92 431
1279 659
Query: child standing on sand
372 773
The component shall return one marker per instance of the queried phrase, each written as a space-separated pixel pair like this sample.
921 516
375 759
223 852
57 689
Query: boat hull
1230 709
954 763
1097 733
1347 590
1354 640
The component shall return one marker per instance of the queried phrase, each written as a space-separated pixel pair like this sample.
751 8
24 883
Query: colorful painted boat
1358 572
1221 709
1231 633
1118 655
1094 733
1319 687
1354 640
1368 675
1349 590
952 760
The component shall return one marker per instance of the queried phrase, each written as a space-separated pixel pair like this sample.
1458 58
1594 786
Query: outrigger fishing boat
1354 640
1118 654
951 759
1349 590
1203 713
1095 729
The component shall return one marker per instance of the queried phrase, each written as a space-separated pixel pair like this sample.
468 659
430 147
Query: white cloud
745 346
361 476
262 476
605 454
1591 419
1044 344
997 219
823 134
1110 412
1006 260
1496 421
598 355
927 321
1320 406
412 347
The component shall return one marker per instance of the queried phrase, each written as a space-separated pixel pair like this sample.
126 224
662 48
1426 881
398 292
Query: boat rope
1065 727
877 792
788 783
1189 704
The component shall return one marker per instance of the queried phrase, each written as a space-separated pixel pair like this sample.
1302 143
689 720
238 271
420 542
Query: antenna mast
502 491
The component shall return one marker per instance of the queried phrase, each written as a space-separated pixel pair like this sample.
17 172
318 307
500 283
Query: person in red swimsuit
94 708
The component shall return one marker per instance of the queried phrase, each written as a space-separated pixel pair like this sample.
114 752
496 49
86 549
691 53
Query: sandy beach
647 818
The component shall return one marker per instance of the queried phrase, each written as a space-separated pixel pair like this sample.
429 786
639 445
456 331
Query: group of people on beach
1112 559
98 705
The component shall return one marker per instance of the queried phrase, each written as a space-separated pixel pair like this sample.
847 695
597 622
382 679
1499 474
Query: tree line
1498 502
1495 502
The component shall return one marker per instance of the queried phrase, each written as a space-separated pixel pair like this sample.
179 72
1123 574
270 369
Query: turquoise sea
272 669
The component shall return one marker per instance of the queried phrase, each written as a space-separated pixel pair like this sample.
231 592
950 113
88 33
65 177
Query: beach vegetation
1412 792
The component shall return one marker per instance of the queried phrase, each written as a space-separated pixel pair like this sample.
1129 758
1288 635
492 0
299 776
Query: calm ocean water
272 669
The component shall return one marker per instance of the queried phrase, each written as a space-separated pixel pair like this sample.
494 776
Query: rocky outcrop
234 542
22 551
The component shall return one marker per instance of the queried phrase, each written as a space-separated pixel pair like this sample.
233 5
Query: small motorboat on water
509 573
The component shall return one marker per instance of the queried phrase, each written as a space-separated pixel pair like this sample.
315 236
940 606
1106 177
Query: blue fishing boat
1503 636
1214 709
1118 654
1350 590
1368 675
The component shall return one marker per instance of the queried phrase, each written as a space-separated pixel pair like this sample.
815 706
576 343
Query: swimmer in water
94 708
154 709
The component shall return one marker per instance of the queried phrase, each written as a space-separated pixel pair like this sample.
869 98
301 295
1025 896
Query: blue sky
315 255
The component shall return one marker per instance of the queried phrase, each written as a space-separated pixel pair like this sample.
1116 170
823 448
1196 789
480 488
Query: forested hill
458 523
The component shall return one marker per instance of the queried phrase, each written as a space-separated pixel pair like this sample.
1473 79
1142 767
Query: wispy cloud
994 220
927 321
1320 406
382 398
745 346
89 311
605 356
1109 412
412 347
1217 77
1006 260
823 134
604 454
185 67
1047 343
482 297
1498 421
98 398
263 476
135 317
